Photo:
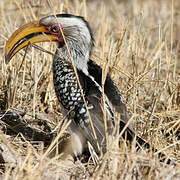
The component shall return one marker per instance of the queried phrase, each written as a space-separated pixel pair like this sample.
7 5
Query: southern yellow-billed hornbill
77 46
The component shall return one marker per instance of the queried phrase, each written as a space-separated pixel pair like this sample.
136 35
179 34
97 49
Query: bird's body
80 95
67 89
74 108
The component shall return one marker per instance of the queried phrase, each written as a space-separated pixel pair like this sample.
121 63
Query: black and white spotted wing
70 97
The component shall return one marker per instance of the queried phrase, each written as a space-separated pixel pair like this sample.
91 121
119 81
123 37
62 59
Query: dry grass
140 42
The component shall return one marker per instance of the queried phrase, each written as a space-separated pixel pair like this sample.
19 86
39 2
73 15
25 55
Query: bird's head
75 29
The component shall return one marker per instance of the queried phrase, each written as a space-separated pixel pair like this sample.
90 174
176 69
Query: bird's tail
129 135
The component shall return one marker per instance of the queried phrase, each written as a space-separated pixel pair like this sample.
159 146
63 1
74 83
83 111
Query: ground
137 42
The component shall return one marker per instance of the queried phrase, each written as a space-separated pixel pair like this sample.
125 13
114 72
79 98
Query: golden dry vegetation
138 42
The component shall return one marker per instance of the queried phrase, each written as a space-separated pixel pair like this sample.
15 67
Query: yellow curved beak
28 33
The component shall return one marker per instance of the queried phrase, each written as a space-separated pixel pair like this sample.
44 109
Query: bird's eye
55 29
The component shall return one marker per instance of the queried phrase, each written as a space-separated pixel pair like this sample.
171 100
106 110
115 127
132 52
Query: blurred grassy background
139 40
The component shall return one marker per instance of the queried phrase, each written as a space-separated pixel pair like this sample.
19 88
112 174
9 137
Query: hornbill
78 81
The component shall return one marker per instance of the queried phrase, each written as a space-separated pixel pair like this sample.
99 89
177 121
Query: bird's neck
76 52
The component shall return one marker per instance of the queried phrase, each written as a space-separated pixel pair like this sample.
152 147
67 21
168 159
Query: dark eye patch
55 29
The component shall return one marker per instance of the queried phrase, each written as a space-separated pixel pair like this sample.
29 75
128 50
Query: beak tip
7 59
